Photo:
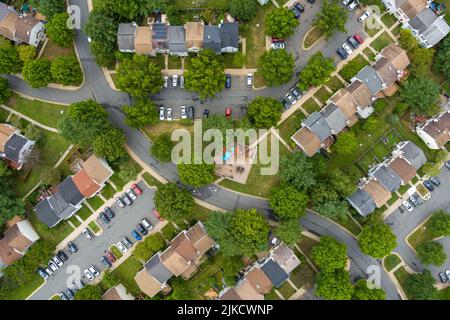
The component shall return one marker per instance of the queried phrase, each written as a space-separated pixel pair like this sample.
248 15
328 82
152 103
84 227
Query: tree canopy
420 286
317 71
276 67
67 71
243 9
439 224
10 205
332 18
346 143
26 52
431 252
132 9
287 202
334 285
57 30
280 23
421 94
110 144
162 148
5 91
289 231
196 174
264 112
173 203
48 7
442 58
89 292
205 74
298 170
142 113
37 72
151 244
329 254
362 292
377 240
10 62
231 266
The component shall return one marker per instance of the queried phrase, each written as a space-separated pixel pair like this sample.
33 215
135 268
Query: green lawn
369 54
271 295
84 212
289 126
169 231
334 84
108 191
393 199
371 31
75 221
46 113
304 274
127 271
388 20
286 290
117 181
210 4
94 227
151 181
403 189
306 244
115 251
350 225
401 274
355 64
391 261
382 41
21 293
312 37
95 202
174 62
3 115
52 235
311 105
200 213
322 94
396 30
421 235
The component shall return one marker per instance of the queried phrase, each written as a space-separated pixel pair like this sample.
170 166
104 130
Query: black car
435 181
286 105
126 199
295 92
228 81
342 53
109 213
70 294
72 247
447 164
141 229
299 7
428 185
127 242
415 200
311 1
351 41
104 217
296 12
191 113
205 113
104 261
63 256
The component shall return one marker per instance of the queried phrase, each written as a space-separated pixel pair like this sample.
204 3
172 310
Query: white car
166 81
58 261
249 79
346 2
353 5
175 80
131 194
181 81
407 205
277 45
364 16
169 114
161 113
147 225
183 112
94 271
49 271
122 247
53 266
87 233
347 48
88 274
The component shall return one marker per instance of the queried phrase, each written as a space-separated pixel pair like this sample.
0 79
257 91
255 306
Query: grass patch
349 225
127 271
312 36
118 182
108 191
396 30
52 51
392 200
169 231
381 42
95 202
353 67
52 235
115 251
94 227
74 221
259 81
151 181
166 127
174 62
334 84
310 105
421 235
391 261
304 274
272 295
288 127
286 290
402 190
210 4
306 244
84 212
21 293
200 213
369 54
323 95
3 115
388 20
371 31
402 275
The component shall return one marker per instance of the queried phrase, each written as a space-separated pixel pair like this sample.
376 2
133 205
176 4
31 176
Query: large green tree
37 72
332 18
89 292
10 205
110 144
317 71
243 9
26 52
421 60
264 112
288 202
431 252
5 91
217 122
442 58
48 7
196 174
132 9
352 68
341 182
142 113
439 224
205 74
230 267
362 292
329 254
298 170
152 244
67 71
10 62
346 143
377 240
334 285
57 30
421 94
162 148
289 231
334 209
420 286
276 67
173 203
280 23
139 76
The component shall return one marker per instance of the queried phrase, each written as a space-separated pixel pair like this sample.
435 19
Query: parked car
428 185
72 247
62 296
166 81
136 189
70 294
277 40
296 13
286 105
49 271
104 217
110 256
53 266
88 274
42 273
109 213
58 261
161 113
442 277
347 48
131 194
358 38
353 42
249 79
342 53
363 17
93 269
205 113
277 45
447 164
156 214
191 113
119 202
353 5
136 235
415 200
346 2
181 81
126 200
447 273
121 247
63 256
147 224
141 229
228 112
297 94
183 112
311 1
291 99
169 114
104 261
435 181
88 234
227 81
175 80
407 205
127 242
299 7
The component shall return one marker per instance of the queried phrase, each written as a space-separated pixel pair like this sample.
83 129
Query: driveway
404 223
90 251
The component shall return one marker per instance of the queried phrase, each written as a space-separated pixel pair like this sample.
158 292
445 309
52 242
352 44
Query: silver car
122 247
169 114
353 5
181 81
94 271
88 274
183 112
131 194
161 113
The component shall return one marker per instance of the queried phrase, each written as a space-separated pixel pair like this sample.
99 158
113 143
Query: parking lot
90 251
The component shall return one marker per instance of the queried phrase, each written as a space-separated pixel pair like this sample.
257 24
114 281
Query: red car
157 215
358 38
110 256
136 189
277 40
228 112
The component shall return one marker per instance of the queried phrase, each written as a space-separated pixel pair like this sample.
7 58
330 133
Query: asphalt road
404 223
90 251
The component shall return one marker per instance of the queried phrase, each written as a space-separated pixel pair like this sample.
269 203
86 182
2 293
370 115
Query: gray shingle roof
69 191
125 36
414 155
155 267
177 39
4 11
211 38
317 124
362 202
387 177
436 32
274 272
14 145
334 117
229 34
159 31
46 214
369 76
423 20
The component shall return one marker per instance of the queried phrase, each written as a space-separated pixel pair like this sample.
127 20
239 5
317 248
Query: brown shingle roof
307 140
148 285
396 55
184 247
258 279
247 292
230 294
143 40
7 254
173 261
97 169
85 184
7 26
439 129
23 27
403 169
199 238
412 7
379 194
360 93
16 239
386 71
344 101
194 34
5 133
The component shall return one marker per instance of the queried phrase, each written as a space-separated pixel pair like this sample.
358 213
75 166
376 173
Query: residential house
17 239
397 56
377 192
386 177
160 41
177 41
69 194
229 36
15 148
362 96
244 291
194 36
371 79
344 100
405 10
118 292
411 153
307 141
20 28
211 39
334 117
125 36
181 258
143 43
435 132
362 202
